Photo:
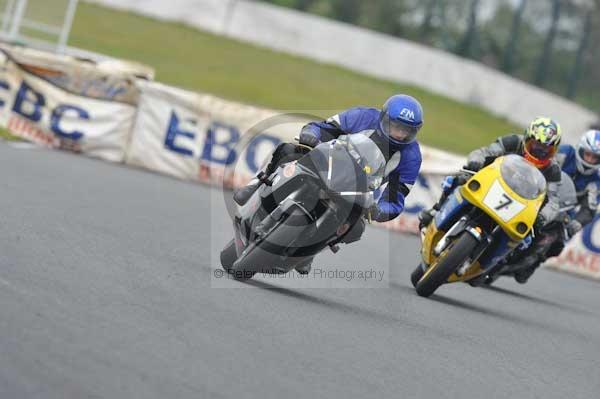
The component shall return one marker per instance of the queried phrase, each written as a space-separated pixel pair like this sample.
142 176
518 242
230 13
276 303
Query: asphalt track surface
107 290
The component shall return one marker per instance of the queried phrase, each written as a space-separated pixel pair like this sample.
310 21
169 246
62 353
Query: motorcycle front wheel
451 259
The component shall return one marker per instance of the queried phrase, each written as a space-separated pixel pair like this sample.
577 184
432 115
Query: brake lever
303 146
468 172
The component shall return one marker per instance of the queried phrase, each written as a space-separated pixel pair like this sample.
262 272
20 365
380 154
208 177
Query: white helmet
588 153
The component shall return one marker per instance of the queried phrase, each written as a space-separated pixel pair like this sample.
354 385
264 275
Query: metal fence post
66 28
8 13
18 17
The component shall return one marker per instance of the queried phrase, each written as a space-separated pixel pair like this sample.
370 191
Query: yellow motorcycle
480 223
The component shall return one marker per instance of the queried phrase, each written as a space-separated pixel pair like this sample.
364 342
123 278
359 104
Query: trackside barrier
582 254
117 114
62 102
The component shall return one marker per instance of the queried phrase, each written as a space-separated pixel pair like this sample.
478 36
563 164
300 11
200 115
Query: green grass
199 61
4 134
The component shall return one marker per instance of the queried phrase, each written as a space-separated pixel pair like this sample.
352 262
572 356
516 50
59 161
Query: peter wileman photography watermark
299 210
314 274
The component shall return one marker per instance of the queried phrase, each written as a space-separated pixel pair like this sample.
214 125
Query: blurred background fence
553 44
39 23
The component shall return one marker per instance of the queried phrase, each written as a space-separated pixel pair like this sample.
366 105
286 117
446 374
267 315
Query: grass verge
5 135
200 61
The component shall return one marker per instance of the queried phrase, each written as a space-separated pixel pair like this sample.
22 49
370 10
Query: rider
538 146
393 128
582 164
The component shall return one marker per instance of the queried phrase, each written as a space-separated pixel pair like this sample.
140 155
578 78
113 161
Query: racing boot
426 217
523 275
243 194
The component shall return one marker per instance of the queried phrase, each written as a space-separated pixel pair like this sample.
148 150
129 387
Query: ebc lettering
30 105
175 130
70 111
6 87
220 143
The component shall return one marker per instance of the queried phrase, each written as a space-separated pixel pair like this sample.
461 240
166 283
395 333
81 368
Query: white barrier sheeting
200 137
582 254
39 111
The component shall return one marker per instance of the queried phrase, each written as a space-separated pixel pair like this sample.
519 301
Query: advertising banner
37 110
200 137
582 254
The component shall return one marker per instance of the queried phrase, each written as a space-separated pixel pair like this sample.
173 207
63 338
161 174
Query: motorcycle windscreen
349 164
522 177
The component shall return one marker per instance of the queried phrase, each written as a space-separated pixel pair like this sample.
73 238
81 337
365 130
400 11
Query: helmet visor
540 151
589 157
398 130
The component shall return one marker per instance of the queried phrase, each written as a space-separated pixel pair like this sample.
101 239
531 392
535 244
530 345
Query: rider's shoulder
362 110
511 142
360 117
553 172
566 149
412 152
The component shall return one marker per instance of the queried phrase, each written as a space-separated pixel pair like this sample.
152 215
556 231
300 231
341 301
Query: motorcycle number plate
502 203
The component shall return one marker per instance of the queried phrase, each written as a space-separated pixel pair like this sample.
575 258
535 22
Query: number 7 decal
506 204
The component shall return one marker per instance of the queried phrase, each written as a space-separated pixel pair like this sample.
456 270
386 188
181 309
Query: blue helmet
401 119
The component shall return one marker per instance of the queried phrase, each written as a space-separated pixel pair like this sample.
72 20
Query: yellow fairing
432 236
488 183
488 191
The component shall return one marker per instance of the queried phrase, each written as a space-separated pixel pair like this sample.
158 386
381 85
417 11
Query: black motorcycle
306 206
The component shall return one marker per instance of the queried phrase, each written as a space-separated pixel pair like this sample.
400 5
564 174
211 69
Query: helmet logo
545 130
597 143
407 114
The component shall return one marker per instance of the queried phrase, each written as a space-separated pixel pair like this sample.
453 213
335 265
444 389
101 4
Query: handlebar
468 172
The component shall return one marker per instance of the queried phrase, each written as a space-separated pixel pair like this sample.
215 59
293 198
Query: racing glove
573 227
308 138
448 183
474 165
539 223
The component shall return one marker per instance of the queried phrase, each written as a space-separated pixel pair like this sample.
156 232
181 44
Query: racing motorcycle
549 239
480 223
305 206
